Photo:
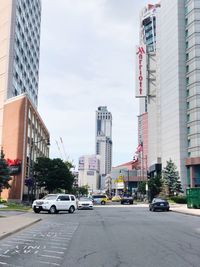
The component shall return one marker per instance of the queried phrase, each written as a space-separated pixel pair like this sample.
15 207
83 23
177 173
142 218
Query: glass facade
26 49
192 40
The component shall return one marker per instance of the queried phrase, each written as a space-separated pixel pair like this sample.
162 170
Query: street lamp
32 179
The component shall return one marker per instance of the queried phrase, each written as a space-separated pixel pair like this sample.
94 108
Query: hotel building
176 104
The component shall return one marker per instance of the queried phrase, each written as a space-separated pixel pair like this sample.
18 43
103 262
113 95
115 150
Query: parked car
159 204
85 203
99 199
53 203
127 199
116 199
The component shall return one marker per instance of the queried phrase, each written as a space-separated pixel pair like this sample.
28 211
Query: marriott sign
141 87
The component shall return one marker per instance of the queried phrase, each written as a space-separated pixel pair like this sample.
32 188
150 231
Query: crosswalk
42 245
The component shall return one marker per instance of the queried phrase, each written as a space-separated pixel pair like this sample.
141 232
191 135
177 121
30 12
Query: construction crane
66 157
59 149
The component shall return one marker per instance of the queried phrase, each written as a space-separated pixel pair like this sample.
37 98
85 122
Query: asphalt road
127 236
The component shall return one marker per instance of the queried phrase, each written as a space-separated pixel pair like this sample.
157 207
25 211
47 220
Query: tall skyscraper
175 105
104 140
19 50
146 82
23 134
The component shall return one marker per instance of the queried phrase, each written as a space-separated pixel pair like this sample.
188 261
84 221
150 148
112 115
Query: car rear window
99 196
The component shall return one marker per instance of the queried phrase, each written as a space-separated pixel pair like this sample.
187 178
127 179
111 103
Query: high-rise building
23 135
175 108
104 141
19 50
146 82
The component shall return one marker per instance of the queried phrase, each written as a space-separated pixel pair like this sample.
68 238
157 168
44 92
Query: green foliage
53 174
171 179
15 206
142 187
155 186
179 199
81 191
4 173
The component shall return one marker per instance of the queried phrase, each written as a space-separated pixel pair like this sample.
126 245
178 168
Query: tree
53 174
142 187
155 186
171 179
4 173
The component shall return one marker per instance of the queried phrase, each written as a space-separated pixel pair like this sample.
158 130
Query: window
187 56
63 198
187 80
189 142
187 68
72 198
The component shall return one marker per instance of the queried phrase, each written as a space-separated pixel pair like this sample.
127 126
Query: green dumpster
193 198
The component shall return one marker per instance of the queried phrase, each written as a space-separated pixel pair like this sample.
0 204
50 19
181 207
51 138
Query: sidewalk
12 224
182 208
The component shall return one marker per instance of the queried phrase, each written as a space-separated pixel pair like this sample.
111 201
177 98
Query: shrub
179 199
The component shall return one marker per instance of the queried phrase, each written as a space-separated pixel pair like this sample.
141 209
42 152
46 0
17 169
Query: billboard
141 69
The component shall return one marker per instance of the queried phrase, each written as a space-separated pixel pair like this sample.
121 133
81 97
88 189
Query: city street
109 236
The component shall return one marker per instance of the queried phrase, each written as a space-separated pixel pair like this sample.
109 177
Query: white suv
54 203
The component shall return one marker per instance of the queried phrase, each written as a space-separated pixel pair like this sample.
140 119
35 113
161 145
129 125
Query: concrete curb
185 213
18 229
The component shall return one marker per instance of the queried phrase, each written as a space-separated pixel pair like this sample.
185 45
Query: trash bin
193 198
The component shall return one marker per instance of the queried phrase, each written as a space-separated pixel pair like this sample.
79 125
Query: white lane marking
3 263
6 245
21 239
49 263
53 251
50 256
57 247
4 256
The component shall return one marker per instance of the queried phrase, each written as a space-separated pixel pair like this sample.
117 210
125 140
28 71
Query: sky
87 60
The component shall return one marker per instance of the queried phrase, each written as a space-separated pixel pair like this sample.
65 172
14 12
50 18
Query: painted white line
4 256
6 245
3 263
49 263
21 239
50 256
53 251
57 247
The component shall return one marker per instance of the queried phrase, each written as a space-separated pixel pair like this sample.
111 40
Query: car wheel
37 210
153 209
131 202
71 209
52 210
122 202
167 209
103 202
149 209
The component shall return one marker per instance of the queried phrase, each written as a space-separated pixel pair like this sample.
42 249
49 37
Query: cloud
87 60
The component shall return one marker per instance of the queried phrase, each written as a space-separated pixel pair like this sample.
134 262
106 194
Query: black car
159 204
127 199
